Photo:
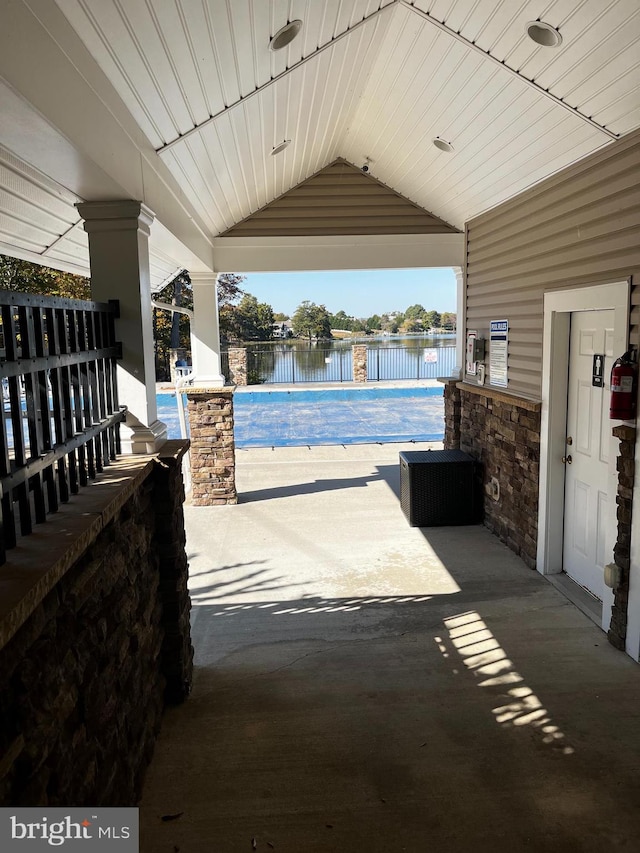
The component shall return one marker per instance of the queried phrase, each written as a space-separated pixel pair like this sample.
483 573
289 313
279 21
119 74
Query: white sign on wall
499 338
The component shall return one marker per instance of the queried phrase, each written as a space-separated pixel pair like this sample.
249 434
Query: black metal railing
291 365
60 413
224 365
409 362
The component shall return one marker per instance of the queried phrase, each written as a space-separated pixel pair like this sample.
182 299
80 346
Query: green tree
254 320
389 323
449 321
431 320
374 323
279 317
414 312
410 325
311 321
229 294
25 277
341 321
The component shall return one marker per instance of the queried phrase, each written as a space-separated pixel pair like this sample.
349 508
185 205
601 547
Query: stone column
205 335
622 550
452 413
119 254
238 366
359 355
213 476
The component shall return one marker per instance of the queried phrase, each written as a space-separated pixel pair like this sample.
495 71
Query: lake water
341 415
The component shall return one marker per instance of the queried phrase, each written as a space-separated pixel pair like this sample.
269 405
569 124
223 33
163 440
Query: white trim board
357 252
558 306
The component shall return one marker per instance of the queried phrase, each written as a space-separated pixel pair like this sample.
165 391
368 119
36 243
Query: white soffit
39 223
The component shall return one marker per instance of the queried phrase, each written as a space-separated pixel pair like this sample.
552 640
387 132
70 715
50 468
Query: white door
589 523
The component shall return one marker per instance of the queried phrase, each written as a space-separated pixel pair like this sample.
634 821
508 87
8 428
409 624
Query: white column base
141 439
208 380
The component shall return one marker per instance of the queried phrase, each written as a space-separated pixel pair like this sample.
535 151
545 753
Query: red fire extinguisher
624 390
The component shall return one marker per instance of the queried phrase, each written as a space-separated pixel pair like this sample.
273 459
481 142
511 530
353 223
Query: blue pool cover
293 418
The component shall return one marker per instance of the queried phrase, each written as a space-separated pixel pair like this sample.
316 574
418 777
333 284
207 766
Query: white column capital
204 278
122 215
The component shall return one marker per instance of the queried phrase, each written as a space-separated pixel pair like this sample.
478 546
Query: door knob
567 460
569 440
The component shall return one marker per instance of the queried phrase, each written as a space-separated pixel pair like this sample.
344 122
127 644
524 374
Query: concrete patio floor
362 685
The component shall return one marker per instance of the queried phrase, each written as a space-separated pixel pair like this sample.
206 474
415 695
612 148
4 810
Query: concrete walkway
366 686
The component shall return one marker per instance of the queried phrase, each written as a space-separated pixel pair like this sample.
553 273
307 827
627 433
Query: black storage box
439 487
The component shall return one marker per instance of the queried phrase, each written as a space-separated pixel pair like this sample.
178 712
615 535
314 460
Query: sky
359 293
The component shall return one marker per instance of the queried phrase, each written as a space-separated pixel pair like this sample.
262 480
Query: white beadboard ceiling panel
598 61
34 210
228 163
365 78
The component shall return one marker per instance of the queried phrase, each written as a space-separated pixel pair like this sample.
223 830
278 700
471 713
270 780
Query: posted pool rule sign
499 338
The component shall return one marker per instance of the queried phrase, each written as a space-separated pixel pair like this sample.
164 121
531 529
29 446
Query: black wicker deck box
439 487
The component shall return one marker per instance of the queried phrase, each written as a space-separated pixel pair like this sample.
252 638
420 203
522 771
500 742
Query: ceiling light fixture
442 145
285 35
543 34
278 148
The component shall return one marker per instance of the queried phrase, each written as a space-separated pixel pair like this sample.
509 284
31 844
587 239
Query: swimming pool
293 418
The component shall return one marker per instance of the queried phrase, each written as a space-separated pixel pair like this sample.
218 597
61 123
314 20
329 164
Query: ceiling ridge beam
62 236
533 85
243 100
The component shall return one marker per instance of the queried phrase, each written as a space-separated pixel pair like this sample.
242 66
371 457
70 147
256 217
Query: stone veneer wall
622 551
84 678
359 356
451 415
238 366
504 435
213 475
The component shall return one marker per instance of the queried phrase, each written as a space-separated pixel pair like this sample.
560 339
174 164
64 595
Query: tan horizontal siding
580 227
561 234
572 181
590 214
339 200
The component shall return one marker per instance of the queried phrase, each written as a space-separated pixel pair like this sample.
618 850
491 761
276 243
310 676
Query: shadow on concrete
389 473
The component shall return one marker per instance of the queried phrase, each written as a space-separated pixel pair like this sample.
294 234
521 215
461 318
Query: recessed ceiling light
442 145
278 148
543 34
285 35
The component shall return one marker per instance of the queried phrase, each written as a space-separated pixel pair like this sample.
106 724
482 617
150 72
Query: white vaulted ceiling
375 79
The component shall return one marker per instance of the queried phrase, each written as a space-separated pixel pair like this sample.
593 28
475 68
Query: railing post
238 366
359 352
